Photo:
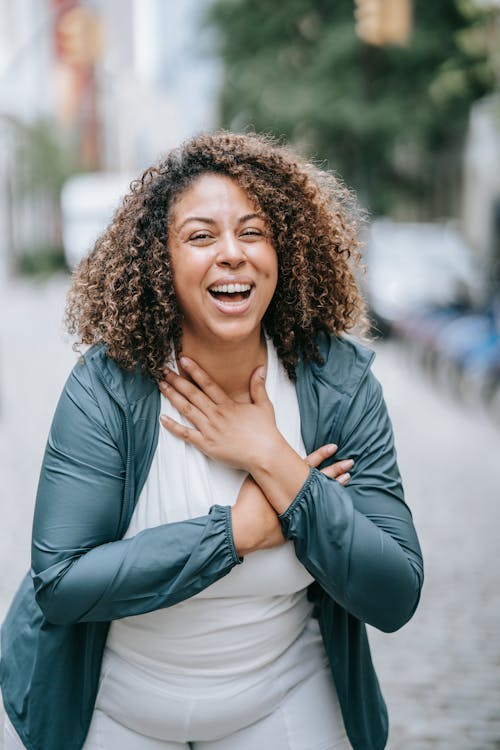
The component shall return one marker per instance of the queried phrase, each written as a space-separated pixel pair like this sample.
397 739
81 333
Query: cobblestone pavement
440 673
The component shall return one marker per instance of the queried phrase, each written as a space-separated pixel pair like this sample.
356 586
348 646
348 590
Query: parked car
88 202
415 266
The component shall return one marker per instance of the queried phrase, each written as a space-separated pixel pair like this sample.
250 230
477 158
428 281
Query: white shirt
244 621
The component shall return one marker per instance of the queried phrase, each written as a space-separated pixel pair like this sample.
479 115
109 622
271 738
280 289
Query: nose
230 252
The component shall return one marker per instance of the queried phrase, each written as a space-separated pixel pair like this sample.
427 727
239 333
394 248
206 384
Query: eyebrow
206 220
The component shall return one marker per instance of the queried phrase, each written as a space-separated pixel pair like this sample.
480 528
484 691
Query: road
441 672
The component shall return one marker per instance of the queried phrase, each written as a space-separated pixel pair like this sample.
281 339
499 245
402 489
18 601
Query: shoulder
330 393
346 363
98 374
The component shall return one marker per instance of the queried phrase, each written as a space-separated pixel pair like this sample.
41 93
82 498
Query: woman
198 581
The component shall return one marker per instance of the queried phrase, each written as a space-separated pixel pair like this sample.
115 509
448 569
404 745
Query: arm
255 522
80 571
359 542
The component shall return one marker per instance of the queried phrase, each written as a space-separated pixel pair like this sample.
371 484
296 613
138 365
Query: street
440 673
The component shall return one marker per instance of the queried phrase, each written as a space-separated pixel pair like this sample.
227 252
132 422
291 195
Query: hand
238 434
255 522
338 470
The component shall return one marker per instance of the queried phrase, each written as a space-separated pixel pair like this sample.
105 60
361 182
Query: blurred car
414 266
88 202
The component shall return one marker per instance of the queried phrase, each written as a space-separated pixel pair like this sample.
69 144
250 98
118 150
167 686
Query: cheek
267 260
187 266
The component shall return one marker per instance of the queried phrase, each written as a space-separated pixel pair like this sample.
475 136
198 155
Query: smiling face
224 265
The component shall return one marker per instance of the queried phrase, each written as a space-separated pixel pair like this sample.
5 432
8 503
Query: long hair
123 293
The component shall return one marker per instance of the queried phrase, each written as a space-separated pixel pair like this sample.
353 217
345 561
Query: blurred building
92 85
25 59
26 96
158 78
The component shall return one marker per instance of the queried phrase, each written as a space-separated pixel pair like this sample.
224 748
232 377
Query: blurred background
402 99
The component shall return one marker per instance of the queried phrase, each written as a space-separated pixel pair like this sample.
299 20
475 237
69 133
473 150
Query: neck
230 365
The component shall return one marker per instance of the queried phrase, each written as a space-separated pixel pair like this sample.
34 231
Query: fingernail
331 448
343 478
347 463
162 385
262 373
185 361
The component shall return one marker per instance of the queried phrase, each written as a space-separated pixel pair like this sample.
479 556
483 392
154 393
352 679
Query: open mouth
231 292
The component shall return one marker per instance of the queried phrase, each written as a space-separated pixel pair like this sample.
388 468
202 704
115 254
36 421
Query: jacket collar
333 383
330 387
128 387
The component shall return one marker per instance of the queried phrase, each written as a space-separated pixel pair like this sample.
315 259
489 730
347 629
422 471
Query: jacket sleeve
81 572
359 542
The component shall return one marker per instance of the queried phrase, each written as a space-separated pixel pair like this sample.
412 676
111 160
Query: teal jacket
358 542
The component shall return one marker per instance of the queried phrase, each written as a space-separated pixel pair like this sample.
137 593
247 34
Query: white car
415 265
88 202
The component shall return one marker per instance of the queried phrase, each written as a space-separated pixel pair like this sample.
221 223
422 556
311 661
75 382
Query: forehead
211 194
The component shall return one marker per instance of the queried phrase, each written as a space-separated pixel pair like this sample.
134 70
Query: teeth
230 288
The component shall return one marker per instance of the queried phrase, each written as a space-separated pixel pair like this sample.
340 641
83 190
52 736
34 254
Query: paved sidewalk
441 673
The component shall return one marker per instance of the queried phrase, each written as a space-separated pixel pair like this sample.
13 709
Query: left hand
237 434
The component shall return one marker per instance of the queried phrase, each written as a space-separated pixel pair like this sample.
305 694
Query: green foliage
42 262
379 116
44 161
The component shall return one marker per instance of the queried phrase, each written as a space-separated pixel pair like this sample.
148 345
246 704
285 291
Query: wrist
280 473
266 453
244 537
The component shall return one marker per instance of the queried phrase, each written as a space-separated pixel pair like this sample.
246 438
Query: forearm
157 568
81 569
255 523
371 567
279 471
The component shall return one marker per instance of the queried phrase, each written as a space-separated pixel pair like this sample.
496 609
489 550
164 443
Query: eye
200 235
251 232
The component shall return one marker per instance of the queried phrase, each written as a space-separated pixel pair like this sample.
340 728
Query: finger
321 454
343 479
188 434
204 381
258 392
176 384
185 406
338 468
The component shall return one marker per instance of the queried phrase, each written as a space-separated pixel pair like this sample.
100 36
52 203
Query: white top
251 616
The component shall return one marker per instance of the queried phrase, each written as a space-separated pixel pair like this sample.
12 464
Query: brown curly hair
123 293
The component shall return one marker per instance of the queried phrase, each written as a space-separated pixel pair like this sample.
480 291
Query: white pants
307 719
11 740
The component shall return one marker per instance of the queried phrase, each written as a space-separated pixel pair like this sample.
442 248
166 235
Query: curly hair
123 293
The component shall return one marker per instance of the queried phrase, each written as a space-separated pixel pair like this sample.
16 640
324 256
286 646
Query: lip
231 280
233 308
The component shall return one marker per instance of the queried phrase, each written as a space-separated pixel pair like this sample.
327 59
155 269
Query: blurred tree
38 162
391 120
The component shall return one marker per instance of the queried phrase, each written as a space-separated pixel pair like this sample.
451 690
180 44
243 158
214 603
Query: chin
235 333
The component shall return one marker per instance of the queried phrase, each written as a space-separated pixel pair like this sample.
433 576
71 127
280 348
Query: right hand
255 522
